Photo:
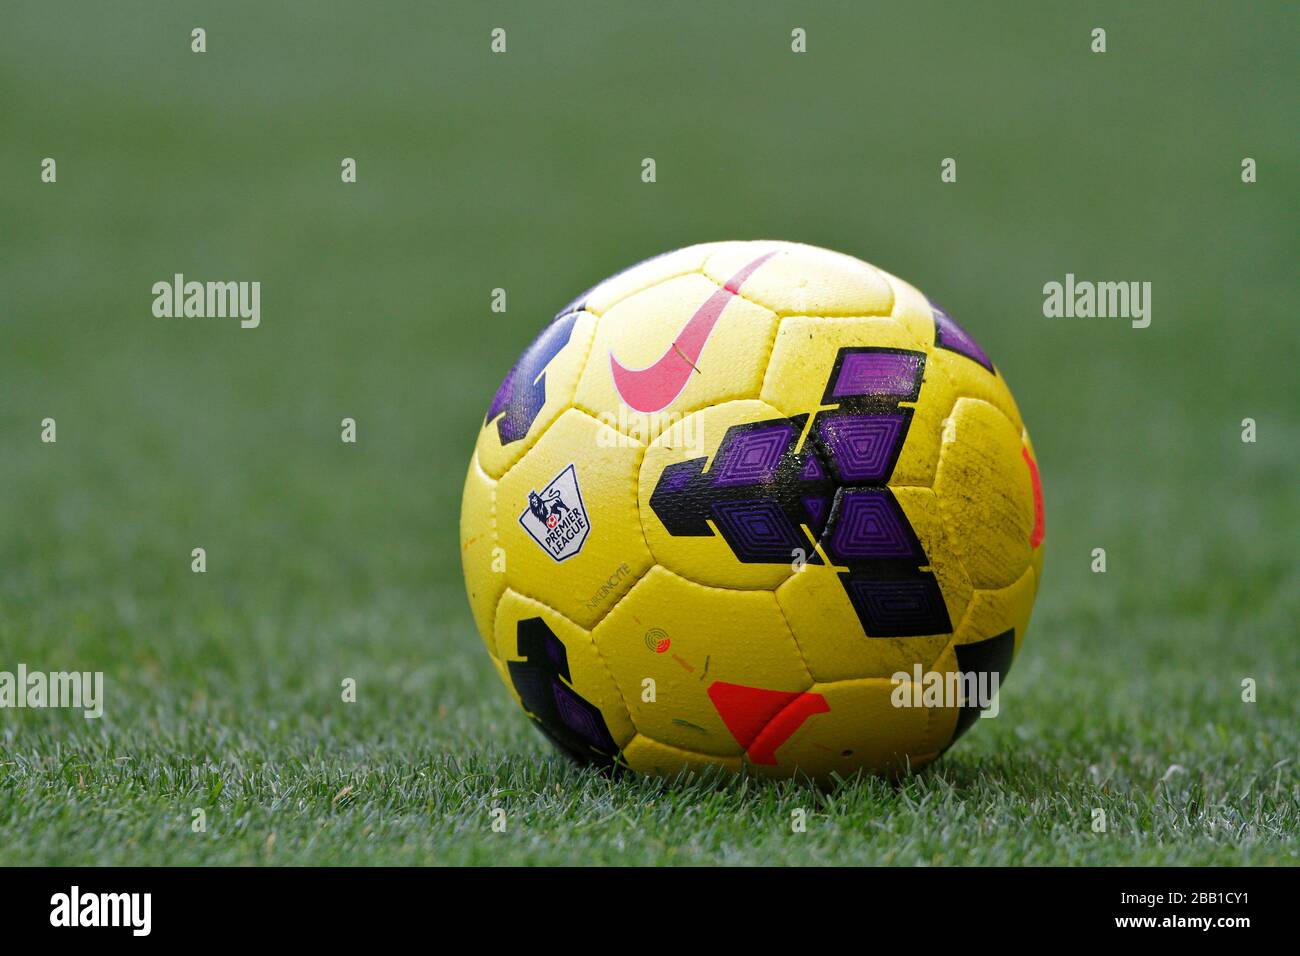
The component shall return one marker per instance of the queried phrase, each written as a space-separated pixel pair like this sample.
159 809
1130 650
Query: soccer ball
752 504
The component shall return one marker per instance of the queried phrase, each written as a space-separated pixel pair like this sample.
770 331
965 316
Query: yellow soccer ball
753 504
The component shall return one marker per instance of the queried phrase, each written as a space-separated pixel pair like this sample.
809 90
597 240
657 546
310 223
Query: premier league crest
555 516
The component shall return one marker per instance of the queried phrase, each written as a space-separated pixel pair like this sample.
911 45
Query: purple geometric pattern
951 336
686 498
758 530
768 500
753 456
877 373
576 714
816 507
863 448
812 469
869 525
544 685
522 392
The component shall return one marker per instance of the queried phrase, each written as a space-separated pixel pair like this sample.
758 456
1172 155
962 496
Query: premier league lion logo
556 518
547 510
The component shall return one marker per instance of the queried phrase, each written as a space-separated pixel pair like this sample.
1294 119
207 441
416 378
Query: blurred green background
522 171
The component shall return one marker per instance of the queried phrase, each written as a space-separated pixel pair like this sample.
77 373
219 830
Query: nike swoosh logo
655 387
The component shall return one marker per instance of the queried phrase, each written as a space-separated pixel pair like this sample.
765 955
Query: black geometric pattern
576 727
990 656
904 606
761 494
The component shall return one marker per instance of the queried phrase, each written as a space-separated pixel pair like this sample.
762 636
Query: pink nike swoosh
655 387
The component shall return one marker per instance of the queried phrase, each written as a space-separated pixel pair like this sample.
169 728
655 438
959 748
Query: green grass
329 561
